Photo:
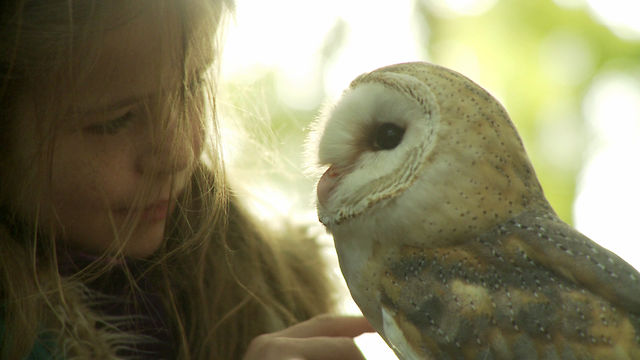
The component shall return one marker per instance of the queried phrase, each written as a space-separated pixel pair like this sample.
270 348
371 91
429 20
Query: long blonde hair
242 280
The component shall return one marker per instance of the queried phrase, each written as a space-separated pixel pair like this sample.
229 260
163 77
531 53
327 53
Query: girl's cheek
87 173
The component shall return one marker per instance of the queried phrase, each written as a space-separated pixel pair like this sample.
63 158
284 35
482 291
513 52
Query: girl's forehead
138 58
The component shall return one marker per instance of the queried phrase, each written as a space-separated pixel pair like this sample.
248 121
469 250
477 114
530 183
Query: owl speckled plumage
445 238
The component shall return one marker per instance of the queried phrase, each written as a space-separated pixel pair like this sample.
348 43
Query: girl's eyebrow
124 102
118 104
107 106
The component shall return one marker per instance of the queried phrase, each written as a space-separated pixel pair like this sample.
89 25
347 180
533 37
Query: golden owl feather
444 236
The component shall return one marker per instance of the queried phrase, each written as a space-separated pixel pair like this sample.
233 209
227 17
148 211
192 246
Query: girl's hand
324 337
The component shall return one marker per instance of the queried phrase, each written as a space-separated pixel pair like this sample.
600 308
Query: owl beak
327 183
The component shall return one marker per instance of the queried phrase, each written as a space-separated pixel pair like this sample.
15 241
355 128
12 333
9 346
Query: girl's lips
156 211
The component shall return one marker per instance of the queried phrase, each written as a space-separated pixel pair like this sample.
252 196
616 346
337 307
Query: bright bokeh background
567 71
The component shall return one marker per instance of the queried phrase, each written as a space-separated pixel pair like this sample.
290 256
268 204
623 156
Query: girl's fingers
329 325
266 347
325 337
321 348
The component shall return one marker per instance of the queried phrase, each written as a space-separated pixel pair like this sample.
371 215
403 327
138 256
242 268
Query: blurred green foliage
537 57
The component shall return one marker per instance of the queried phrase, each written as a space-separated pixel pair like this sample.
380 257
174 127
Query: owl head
418 143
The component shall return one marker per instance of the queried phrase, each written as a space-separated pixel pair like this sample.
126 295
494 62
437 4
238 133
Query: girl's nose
173 148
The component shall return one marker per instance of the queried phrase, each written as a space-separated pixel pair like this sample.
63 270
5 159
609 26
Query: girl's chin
142 242
145 242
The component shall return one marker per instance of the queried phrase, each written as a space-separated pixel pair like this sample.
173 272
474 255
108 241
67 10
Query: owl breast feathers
444 235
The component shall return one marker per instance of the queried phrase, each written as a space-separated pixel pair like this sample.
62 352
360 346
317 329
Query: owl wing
555 245
505 295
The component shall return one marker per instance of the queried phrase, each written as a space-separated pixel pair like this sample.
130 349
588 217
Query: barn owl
444 236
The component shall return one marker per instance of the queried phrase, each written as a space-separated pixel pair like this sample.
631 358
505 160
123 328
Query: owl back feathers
512 294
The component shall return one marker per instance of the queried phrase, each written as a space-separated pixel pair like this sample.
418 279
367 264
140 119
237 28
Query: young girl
119 235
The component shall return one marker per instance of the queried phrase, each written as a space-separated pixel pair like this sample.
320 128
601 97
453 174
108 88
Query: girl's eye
111 127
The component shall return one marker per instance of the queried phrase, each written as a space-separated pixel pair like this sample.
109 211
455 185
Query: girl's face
119 155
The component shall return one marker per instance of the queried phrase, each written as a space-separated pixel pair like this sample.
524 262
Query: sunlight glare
608 194
380 36
452 8
281 36
258 42
621 16
279 33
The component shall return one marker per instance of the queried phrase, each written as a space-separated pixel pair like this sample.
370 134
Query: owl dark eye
387 136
